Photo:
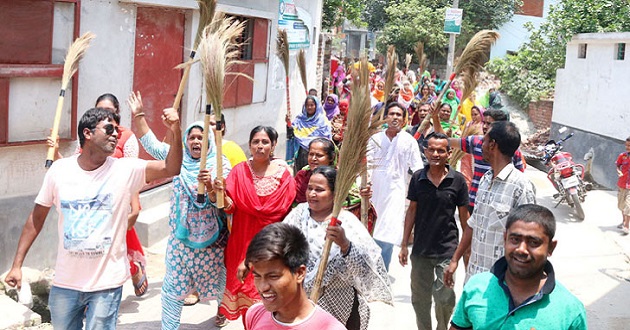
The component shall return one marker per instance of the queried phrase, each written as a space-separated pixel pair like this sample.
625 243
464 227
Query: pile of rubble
17 316
530 146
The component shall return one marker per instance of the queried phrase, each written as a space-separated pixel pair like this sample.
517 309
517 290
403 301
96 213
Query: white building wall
590 91
514 33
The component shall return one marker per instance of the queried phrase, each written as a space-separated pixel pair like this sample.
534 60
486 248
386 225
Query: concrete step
156 196
16 316
152 223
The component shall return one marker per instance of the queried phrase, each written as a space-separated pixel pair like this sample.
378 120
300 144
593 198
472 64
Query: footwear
620 226
140 283
625 231
191 299
220 321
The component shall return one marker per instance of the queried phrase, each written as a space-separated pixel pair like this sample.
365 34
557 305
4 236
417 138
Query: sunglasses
110 128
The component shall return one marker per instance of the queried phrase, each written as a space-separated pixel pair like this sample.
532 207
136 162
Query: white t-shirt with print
93 207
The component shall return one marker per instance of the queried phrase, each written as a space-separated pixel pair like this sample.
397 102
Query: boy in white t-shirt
91 193
277 257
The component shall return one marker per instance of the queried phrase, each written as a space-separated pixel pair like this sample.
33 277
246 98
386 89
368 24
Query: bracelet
139 114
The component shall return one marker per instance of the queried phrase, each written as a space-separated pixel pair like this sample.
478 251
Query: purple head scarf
331 109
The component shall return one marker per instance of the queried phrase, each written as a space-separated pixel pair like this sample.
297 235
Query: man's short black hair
536 214
497 115
90 119
506 135
437 136
392 105
279 241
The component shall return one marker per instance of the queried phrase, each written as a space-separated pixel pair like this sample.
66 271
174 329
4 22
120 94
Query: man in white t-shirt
277 257
91 192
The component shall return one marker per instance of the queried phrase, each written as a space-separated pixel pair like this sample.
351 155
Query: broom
390 75
206 13
70 66
282 50
301 62
408 58
219 51
351 156
422 57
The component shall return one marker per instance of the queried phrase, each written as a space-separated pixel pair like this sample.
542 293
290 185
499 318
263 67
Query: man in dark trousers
434 194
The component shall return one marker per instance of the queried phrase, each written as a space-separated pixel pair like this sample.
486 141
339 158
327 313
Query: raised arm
140 127
173 163
31 230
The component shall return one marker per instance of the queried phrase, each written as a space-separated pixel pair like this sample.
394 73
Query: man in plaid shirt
501 189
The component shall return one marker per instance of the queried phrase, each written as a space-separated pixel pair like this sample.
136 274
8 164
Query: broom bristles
219 52
282 49
390 75
75 54
422 58
408 58
473 58
207 9
301 62
358 131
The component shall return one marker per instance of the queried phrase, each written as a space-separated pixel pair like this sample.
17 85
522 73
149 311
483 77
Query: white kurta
389 162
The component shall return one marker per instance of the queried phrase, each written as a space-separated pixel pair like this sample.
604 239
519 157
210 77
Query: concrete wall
514 33
108 67
589 99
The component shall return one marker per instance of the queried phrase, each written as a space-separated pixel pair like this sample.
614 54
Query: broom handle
50 156
317 284
218 137
201 188
365 201
182 83
289 97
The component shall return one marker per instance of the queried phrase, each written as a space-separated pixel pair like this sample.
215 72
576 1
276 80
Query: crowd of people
258 255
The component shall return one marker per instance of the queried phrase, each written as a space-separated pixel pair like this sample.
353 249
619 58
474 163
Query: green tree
335 11
374 14
412 21
531 73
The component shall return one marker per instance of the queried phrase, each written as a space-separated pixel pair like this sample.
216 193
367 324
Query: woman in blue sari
194 255
311 123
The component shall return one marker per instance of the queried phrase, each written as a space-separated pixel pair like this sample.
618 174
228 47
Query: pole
451 47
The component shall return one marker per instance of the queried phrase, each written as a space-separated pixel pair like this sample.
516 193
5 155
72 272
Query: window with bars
620 51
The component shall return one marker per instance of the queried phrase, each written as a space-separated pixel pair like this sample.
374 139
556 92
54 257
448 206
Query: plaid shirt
472 145
495 199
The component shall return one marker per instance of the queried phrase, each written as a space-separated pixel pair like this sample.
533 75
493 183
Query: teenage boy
277 257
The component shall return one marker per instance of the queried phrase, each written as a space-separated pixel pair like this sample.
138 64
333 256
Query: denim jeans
426 281
69 307
386 252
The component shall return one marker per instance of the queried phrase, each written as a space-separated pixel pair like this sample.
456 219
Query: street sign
288 20
453 20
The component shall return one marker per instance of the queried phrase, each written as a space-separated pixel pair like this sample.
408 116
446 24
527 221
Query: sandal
191 299
140 283
220 321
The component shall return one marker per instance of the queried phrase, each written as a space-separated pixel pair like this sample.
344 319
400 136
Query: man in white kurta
391 154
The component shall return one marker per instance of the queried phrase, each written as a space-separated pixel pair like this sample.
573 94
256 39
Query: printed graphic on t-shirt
87 226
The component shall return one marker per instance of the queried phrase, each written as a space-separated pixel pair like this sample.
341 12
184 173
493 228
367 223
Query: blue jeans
69 307
386 252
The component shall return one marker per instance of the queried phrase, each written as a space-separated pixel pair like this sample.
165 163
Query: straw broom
351 156
70 67
206 13
408 58
301 62
390 75
422 57
219 51
282 50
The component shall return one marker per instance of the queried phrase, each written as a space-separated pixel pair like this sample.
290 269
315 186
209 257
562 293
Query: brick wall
532 8
540 113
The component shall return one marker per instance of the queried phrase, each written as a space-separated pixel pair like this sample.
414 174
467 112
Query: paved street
591 260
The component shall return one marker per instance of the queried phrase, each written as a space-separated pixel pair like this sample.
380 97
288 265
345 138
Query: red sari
251 213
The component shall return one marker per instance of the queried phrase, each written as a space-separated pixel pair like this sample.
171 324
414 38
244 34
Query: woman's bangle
139 114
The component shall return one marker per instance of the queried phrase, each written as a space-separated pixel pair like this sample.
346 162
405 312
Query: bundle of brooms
471 62
301 63
219 52
422 58
70 67
390 75
351 158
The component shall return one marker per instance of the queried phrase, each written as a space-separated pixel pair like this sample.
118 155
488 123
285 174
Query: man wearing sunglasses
91 192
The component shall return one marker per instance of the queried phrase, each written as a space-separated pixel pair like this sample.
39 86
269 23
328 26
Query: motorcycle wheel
578 206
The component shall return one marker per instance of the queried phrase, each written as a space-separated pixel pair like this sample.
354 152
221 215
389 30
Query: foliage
374 14
414 21
410 21
531 73
335 11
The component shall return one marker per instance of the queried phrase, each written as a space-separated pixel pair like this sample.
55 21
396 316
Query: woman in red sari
258 192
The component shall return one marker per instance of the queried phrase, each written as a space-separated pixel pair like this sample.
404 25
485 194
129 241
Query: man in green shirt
520 291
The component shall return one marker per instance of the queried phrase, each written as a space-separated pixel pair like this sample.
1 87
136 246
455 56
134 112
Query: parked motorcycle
565 175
